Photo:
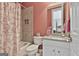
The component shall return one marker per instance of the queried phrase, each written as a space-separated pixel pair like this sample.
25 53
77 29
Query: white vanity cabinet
55 48
74 45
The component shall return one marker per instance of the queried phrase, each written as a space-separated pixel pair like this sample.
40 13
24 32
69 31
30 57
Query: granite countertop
55 38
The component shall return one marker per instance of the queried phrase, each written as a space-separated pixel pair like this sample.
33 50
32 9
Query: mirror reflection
57 20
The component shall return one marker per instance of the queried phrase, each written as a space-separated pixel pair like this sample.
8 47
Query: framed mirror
58 15
57 19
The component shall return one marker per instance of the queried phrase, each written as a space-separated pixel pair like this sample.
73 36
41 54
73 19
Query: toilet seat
32 47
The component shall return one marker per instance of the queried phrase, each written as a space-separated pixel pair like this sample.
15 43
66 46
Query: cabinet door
60 51
55 48
49 51
75 19
74 46
56 51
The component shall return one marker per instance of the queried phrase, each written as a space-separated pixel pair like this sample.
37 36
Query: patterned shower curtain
9 27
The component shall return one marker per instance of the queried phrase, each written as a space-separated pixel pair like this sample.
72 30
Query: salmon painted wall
40 21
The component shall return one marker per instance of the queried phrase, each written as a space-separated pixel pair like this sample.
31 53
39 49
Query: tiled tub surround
9 27
27 24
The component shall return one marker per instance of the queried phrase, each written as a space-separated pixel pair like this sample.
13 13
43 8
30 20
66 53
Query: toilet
33 48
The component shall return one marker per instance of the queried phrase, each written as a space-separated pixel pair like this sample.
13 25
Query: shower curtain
9 27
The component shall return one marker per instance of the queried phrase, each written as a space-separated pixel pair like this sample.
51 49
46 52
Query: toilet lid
32 47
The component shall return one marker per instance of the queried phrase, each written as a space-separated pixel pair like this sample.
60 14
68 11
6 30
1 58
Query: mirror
57 20
59 17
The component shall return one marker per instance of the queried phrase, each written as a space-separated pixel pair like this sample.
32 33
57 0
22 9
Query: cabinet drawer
55 51
56 43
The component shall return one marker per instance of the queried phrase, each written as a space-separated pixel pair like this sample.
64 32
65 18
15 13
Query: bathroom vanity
56 46
62 47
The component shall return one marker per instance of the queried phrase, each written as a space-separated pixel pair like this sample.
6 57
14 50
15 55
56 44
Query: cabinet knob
53 50
58 51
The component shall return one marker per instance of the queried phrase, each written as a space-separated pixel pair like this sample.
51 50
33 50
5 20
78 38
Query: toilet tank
38 40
